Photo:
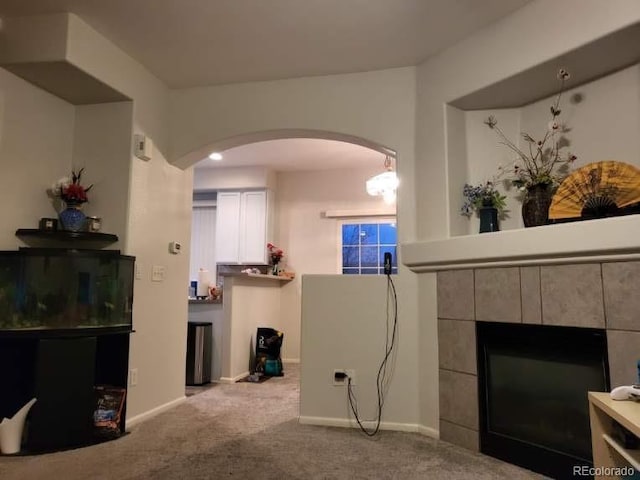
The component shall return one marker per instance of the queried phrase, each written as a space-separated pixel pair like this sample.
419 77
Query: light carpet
248 431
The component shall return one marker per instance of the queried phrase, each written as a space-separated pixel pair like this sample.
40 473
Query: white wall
36 144
311 240
376 107
504 49
101 146
248 303
336 338
603 126
233 178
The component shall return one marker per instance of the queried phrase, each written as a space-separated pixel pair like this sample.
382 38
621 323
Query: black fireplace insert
532 383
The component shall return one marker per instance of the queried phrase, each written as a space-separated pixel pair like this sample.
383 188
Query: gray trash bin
199 352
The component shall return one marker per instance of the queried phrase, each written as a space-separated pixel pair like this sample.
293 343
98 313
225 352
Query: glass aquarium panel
63 289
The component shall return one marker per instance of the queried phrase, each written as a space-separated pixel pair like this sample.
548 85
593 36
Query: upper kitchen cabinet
242 226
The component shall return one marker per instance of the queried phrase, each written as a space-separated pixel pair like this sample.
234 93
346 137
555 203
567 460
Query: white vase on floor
11 429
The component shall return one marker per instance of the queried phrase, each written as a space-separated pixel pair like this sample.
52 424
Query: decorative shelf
64 238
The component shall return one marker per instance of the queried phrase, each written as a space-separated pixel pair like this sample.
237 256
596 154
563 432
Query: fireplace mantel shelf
607 239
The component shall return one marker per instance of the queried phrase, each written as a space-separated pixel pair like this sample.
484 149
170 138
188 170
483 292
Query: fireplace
532 384
594 296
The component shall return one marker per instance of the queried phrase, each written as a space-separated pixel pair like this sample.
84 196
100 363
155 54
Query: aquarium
65 289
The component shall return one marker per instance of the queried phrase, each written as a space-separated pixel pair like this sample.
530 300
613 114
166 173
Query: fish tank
52 289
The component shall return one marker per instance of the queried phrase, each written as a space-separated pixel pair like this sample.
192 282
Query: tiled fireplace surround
598 295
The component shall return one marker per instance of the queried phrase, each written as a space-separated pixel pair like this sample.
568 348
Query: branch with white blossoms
544 162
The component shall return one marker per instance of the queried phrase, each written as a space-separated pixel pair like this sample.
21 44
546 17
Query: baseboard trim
233 379
351 423
133 421
290 360
429 432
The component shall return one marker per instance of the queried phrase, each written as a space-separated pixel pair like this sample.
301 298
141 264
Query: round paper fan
596 190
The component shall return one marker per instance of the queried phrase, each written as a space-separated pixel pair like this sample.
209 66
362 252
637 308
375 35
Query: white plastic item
626 392
202 290
11 429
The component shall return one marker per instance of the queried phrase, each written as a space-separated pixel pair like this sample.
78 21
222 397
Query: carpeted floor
250 431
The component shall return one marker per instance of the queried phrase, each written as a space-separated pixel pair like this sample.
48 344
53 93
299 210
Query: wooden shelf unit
608 453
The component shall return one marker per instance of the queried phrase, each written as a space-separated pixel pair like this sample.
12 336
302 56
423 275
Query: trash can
199 352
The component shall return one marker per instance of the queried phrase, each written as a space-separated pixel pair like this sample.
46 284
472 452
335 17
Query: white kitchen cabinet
242 223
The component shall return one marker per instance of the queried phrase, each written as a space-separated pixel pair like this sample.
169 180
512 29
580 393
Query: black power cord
381 378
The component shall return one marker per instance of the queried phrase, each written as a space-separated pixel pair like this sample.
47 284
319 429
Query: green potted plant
485 200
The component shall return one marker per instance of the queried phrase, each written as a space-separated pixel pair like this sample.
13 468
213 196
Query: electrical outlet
133 377
138 271
341 376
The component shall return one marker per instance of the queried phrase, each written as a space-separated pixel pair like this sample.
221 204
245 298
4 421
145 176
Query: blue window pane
350 271
369 257
350 257
351 235
369 234
369 271
388 234
394 258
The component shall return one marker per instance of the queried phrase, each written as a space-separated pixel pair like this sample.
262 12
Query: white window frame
351 221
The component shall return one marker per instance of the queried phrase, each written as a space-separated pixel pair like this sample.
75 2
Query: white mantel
606 239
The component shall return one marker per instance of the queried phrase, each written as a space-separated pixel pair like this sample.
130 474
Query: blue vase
72 218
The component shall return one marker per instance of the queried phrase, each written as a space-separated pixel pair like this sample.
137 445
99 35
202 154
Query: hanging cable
381 378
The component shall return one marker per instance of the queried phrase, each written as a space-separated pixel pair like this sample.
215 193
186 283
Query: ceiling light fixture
384 184
215 156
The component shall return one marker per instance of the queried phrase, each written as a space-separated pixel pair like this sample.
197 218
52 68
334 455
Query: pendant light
384 184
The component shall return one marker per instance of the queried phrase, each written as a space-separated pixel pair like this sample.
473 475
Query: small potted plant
485 200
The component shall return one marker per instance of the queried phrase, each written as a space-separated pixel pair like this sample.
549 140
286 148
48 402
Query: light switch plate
157 273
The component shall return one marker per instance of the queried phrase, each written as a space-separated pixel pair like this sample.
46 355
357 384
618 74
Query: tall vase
535 206
72 218
488 219
274 269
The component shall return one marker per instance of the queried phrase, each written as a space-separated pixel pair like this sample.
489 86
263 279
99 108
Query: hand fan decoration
599 189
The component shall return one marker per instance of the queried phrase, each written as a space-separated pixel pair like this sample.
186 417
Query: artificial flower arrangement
69 189
543 160
275 253
482 195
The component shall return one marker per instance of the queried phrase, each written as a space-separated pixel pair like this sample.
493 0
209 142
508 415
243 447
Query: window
364 246
203 234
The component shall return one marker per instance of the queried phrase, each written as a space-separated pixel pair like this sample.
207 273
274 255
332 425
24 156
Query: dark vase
72 218
535 206
488 219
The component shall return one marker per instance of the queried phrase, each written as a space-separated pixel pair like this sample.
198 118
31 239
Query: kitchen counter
251 300
257 276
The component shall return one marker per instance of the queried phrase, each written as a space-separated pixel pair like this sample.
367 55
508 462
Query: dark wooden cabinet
61 370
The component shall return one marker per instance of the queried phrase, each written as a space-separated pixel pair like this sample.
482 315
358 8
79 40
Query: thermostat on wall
143 146
175 247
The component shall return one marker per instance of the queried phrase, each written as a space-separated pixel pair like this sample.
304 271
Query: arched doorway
313 200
